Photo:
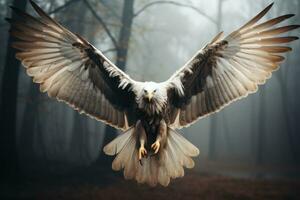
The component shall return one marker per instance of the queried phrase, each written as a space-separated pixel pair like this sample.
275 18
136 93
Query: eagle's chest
151 125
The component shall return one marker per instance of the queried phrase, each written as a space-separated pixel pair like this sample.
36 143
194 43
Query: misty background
256 137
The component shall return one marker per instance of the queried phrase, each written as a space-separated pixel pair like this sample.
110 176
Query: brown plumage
71 70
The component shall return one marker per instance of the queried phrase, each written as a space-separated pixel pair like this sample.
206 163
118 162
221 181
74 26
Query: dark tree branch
100 20
63 6
175 4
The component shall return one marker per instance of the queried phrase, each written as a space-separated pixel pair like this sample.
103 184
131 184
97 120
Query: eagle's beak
149 96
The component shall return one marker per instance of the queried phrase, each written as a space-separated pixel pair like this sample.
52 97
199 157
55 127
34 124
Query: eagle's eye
145 91
154 90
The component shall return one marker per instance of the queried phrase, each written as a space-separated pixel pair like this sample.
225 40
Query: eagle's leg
142 139
161 136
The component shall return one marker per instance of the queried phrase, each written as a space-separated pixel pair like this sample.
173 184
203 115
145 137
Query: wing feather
71 70
227 69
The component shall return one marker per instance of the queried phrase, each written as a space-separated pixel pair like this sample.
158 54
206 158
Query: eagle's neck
152 108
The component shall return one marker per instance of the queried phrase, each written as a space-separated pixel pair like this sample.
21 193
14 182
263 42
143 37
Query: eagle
149 149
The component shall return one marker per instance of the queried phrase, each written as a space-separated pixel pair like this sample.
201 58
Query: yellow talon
155 146
142 152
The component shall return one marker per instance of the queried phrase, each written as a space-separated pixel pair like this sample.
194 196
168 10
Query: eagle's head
151 97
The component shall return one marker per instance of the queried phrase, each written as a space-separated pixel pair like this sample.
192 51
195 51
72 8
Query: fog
256 137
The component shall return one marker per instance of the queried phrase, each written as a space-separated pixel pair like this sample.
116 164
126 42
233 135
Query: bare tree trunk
253 129
8 155
78 142
26 150
226 133
214 117
125 33
122 53
261 126
285 107
42 151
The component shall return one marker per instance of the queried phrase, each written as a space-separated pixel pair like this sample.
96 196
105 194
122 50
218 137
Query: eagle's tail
153 169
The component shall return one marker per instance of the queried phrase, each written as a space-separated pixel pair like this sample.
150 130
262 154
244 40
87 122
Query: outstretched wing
227 69
70 69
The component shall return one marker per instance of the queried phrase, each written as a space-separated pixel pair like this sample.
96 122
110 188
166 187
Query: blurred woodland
250 150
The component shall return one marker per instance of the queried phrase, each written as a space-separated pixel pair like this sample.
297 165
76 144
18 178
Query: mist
56 149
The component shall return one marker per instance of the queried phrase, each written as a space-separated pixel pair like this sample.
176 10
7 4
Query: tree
282 77
30 130
122 54
8 155
79 137
28 125
261 125
214 117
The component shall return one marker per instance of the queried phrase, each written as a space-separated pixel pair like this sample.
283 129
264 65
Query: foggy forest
249 150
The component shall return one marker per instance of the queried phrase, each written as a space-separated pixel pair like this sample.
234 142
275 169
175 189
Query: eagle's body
70 69
151 123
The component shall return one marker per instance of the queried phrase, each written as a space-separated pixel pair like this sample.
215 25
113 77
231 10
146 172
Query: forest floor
112 186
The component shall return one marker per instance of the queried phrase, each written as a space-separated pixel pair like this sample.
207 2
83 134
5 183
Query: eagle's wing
70 69
227 69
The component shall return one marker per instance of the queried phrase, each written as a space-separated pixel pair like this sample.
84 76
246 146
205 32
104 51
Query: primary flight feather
72 70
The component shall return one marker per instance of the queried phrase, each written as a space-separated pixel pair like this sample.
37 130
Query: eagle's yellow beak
149 96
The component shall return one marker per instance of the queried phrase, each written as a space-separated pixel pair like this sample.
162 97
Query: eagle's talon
142 152
155 146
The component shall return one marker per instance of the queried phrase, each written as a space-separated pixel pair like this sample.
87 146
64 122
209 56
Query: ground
193 186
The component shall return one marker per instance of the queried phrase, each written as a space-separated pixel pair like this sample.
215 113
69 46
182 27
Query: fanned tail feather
168 163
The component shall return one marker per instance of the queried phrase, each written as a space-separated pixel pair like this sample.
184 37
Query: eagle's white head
151 97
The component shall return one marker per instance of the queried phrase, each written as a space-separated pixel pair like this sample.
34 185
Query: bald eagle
149 150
